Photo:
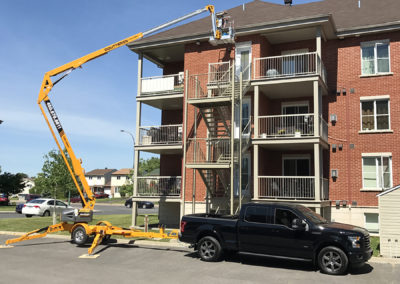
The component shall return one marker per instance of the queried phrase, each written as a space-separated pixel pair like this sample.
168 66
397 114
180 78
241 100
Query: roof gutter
386 27
267 26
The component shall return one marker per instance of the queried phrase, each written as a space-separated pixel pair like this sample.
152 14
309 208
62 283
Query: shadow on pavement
280 263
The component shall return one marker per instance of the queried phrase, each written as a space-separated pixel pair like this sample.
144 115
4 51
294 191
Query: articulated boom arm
77 171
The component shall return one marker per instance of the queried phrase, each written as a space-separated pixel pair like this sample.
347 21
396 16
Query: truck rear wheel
209 249
79 235
332 260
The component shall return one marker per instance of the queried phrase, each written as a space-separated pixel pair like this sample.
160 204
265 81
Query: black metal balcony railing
159 185
160 135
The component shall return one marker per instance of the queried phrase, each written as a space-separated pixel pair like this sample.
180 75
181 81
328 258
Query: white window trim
297 104
375 99
373 43
375 155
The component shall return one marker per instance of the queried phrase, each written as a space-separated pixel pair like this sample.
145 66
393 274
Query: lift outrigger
79 228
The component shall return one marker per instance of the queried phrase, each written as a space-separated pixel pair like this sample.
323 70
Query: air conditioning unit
146 140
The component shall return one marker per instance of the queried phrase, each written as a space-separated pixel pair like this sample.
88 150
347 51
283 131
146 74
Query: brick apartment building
318 87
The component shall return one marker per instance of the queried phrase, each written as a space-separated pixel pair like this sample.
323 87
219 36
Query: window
98 178
284 217
377 172
256 214
116 189
90 177
118 177
372 222
375 57
375 115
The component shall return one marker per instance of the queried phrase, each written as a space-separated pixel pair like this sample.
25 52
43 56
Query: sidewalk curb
172 244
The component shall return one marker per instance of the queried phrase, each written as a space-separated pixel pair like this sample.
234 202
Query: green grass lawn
375 246
30 224
7 207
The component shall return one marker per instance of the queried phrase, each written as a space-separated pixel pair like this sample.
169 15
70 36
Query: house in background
301 108
99 180
118 179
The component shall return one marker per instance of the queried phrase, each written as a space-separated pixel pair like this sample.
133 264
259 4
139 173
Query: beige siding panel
389 214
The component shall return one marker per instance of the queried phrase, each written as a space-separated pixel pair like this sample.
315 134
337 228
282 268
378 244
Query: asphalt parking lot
53 260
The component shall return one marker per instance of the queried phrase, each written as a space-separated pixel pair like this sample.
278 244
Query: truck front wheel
332 260
209 249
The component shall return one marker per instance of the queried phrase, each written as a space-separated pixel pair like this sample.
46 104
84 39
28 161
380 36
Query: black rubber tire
28 216
144 206
79 236
129 205
332 260
209 249
46 213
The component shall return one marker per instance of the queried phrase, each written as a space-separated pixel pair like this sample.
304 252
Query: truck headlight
355 241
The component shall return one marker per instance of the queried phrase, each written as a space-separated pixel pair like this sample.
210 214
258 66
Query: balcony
163 92
291 188
160 139
213 87
161 85
214 152
290 126
159 186
288 66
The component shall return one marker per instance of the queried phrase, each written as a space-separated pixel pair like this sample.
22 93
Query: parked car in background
43 207
140 204
29 197
101 195
77 199
4 199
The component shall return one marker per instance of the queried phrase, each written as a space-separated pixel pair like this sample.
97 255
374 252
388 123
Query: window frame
378 178
374 44
374 100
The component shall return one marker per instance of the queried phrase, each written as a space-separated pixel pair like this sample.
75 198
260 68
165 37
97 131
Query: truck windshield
312 216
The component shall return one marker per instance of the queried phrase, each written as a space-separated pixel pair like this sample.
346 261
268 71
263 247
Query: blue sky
93 103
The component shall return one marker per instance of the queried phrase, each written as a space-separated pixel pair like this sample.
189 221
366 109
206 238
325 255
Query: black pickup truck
279 230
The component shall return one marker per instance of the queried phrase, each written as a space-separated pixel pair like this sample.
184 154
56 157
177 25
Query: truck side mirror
298 224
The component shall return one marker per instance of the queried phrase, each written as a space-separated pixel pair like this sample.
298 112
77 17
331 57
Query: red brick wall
171 117
342 60
343 63
170 165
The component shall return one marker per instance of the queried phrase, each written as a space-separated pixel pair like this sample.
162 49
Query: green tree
55 178
12 183
147 166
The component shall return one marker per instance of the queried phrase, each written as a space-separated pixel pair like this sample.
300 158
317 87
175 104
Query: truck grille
367 242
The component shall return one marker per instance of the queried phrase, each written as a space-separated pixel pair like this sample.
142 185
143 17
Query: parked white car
43 207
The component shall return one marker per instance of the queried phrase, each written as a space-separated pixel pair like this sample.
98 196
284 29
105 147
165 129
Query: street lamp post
133 140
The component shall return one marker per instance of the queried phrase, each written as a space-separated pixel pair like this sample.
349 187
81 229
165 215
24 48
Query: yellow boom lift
76 221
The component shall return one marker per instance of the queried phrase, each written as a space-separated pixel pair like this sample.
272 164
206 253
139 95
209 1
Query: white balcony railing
289 66
276 126
324 189
219 72
203 150
215 83
159 185
160 135
323 128
291 187
159 85
294 187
